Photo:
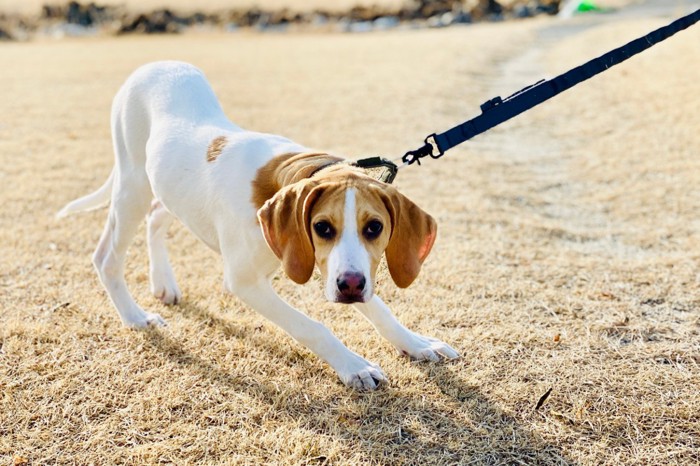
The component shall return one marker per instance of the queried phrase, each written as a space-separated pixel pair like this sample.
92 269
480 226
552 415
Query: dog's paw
426 348
144 320
361 374
164 287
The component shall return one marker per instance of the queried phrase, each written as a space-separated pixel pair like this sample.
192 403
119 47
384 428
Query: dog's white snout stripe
349 255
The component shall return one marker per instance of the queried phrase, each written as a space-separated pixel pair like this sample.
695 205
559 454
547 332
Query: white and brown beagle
258 199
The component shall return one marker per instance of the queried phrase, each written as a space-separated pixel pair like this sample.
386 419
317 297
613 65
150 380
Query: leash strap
497 110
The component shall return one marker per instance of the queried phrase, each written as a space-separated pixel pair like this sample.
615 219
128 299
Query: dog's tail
92 201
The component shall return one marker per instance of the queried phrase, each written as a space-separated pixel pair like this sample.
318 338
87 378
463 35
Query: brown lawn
567 258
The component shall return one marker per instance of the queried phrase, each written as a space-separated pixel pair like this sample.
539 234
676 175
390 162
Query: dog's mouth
350 299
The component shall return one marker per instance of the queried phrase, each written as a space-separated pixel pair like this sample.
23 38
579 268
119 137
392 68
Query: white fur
163 119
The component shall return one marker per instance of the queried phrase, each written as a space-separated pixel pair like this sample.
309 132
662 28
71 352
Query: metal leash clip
424 151
390 168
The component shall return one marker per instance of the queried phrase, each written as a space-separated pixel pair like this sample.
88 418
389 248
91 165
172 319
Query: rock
5 36
441 20
77 14
157 22
385 22
360 26
365 13
522 11
429 9
461 16
550 7
318 18
51 12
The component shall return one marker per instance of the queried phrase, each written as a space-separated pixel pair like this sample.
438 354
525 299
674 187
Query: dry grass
567 259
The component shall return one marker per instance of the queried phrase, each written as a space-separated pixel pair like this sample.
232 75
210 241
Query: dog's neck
287 169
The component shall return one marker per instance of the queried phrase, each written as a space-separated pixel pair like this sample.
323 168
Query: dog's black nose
350 285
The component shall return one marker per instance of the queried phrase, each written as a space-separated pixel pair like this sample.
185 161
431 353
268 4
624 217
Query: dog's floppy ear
413 233
284 220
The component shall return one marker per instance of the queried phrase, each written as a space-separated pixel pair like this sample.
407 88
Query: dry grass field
568 258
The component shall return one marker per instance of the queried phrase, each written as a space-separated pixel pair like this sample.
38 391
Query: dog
258 200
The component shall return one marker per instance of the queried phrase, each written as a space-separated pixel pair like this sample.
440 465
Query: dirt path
552 189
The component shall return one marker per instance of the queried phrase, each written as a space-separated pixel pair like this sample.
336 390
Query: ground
567 258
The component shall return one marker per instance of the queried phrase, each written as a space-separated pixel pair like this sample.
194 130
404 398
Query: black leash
498 110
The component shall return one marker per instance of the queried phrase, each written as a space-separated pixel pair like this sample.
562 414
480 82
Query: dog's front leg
352 369
405 341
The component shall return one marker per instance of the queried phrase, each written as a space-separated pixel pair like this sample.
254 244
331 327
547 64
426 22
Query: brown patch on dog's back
286 169
216 146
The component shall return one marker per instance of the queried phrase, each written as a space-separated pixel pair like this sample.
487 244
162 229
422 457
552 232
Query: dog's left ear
413 233
284 220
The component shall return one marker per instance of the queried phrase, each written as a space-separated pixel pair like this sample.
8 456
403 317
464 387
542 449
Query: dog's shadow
392 426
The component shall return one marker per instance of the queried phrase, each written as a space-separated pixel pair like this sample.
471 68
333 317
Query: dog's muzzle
351 287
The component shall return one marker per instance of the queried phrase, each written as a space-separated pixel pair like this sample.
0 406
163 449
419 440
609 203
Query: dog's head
344 225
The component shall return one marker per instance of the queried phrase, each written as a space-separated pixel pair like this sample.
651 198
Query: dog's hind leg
163 283
130 202
131 197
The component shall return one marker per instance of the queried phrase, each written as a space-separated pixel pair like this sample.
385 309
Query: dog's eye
373 229
324 229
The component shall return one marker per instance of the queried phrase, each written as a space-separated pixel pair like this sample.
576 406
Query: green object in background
587 5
